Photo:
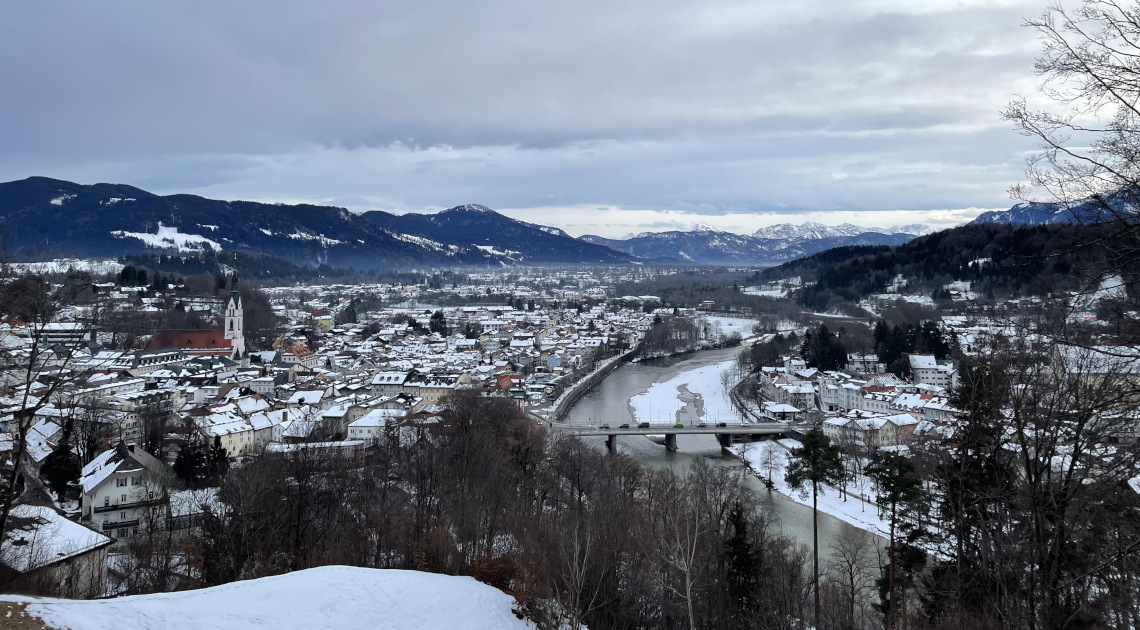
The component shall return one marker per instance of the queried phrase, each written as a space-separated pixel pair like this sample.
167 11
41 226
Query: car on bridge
679 426
722 424
643 425
624 426
604 427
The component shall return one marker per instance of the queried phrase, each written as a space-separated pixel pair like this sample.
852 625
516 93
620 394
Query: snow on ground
324 240
661 402
729 325
63 265
765 292
861 514
170 238
326 597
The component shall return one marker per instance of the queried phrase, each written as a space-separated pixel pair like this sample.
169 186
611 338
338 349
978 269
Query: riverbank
771 457
562 404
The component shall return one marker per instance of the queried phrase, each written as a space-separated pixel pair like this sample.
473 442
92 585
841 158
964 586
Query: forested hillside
999 260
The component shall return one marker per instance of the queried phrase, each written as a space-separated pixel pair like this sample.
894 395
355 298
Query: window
107 500
122 532
123 499
122 516
136 480
121 482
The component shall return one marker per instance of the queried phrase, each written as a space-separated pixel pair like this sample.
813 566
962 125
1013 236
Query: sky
597 116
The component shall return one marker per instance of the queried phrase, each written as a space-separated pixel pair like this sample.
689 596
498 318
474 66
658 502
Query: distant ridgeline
1007 260
42 219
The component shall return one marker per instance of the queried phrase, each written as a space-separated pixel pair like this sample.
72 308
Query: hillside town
151 426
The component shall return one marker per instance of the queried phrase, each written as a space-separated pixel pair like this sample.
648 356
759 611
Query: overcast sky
601 116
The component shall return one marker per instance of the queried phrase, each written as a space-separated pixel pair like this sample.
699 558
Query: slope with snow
171 238
325 597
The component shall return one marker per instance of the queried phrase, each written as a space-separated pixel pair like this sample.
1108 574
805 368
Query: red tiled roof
190 339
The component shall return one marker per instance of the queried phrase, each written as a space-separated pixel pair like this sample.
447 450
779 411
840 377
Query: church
228 343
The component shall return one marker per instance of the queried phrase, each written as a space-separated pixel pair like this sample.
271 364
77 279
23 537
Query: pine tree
899 485
61 467
219 459
742 559
817 462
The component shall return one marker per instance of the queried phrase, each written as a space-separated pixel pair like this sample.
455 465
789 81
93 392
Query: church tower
234 323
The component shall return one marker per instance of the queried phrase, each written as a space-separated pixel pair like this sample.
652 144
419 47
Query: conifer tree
816 463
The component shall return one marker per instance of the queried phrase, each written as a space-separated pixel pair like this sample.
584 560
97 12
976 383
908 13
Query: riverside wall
579 389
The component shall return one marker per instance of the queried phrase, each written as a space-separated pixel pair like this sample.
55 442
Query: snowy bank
661 402
861 514
326 597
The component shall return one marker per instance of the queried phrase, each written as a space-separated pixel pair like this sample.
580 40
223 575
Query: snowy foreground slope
326 597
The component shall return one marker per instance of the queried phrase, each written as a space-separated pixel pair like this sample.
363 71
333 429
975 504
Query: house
118 487
388 383
44 553
370 427
928 371
300 355
871 430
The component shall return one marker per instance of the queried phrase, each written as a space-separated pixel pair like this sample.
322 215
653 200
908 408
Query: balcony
121 506
119 524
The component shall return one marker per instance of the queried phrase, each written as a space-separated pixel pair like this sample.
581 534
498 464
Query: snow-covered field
326 597
861 514
729 325
168 237
63 265
661 402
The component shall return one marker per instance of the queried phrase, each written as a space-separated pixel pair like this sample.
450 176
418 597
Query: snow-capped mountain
43 218
706 245
473 225
1084 211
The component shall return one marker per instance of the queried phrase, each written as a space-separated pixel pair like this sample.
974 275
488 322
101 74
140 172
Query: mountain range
1083 211
43 218
768 245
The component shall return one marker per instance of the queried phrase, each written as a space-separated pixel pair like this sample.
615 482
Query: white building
119 486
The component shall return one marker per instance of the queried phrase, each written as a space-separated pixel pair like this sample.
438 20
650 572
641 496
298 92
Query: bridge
723 433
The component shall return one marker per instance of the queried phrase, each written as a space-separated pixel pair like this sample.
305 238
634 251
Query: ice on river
702 388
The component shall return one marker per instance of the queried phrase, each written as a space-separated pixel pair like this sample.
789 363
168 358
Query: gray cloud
713 107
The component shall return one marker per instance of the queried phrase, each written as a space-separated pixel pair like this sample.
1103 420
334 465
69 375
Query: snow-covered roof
39 536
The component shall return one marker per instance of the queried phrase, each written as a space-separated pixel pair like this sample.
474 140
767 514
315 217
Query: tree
899 485
31 371
1090 138
219 459
61 467
438 323
816 463
851 567
821 349
743 560
190 465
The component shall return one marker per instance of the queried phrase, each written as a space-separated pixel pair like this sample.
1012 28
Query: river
609 402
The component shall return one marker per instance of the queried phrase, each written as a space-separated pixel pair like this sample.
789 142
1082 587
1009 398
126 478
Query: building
43 553
118 487
228 343
871 431
370 427
928 371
